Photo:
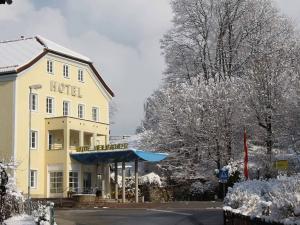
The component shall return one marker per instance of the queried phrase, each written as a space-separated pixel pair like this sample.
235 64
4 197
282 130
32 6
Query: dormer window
66 71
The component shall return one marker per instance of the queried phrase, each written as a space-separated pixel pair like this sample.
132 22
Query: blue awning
111 156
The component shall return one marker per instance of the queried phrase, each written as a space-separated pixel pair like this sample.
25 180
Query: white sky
120 36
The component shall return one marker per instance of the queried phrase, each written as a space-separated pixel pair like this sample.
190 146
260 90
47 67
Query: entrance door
87 182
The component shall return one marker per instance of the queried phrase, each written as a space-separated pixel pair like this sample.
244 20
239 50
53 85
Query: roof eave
8 76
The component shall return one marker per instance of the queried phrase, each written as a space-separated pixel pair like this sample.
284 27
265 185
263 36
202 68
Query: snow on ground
274 200
20 220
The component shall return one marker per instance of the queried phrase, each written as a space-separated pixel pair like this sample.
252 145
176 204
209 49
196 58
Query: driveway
152 216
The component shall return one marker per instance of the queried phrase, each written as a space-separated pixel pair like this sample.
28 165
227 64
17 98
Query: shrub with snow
199 188
12 201
150 179
274 199
43 213
14 206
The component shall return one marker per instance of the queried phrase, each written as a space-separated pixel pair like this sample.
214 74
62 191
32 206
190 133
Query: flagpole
246 174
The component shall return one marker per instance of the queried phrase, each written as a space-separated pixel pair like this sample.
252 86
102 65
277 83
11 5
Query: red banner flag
246 156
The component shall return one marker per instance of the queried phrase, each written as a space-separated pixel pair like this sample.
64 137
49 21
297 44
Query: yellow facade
67 132
6 119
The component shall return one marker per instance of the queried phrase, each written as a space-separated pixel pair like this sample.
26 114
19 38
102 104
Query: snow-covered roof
15 54
58 48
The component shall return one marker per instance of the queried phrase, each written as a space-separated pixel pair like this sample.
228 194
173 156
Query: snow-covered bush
274 199
12 200
150 179
14 206
42 215
199 189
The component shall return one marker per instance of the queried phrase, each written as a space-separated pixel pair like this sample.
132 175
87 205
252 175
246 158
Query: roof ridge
39 39
15 40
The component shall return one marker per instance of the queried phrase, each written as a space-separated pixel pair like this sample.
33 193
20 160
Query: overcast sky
120 36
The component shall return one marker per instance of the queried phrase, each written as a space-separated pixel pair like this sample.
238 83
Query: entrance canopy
110 156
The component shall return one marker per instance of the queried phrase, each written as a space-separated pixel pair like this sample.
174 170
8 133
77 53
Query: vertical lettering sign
65 89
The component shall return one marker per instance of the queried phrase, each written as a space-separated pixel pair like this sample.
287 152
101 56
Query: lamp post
31 87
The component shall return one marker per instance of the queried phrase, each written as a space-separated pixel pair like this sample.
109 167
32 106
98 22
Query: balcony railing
56 147
73 148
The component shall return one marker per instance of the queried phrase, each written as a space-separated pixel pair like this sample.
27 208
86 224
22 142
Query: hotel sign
102 147
65 89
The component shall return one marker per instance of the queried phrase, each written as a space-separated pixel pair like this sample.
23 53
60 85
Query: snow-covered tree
230 64
195 124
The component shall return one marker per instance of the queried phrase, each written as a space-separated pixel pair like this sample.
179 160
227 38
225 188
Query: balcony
79 132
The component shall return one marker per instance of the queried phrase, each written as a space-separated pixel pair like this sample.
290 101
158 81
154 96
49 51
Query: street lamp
31 87
6 1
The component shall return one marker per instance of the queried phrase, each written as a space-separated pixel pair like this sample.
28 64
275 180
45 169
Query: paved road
140 217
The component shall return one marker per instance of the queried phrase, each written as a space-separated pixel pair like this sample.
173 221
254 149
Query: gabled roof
18 55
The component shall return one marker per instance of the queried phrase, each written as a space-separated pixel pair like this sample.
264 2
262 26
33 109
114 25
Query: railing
73 148
83 190
56 147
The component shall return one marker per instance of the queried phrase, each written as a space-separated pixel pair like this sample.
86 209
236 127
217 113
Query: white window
95 114
80 111
33 178
50 66
33 139
80 75
66 108
66 71
73 181
56 182
50 105
34 102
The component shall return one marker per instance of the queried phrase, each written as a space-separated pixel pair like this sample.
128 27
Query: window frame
58 190
36 101
47 106
80 75
35 147
66 71
83 111
50 66
68 108
97 113
33 172
72 180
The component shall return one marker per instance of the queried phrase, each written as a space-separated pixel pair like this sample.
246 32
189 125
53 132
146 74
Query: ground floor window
33 178
73 181
87 182
56 182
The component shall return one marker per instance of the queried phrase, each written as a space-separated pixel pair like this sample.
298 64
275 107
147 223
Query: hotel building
54 119
70 109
